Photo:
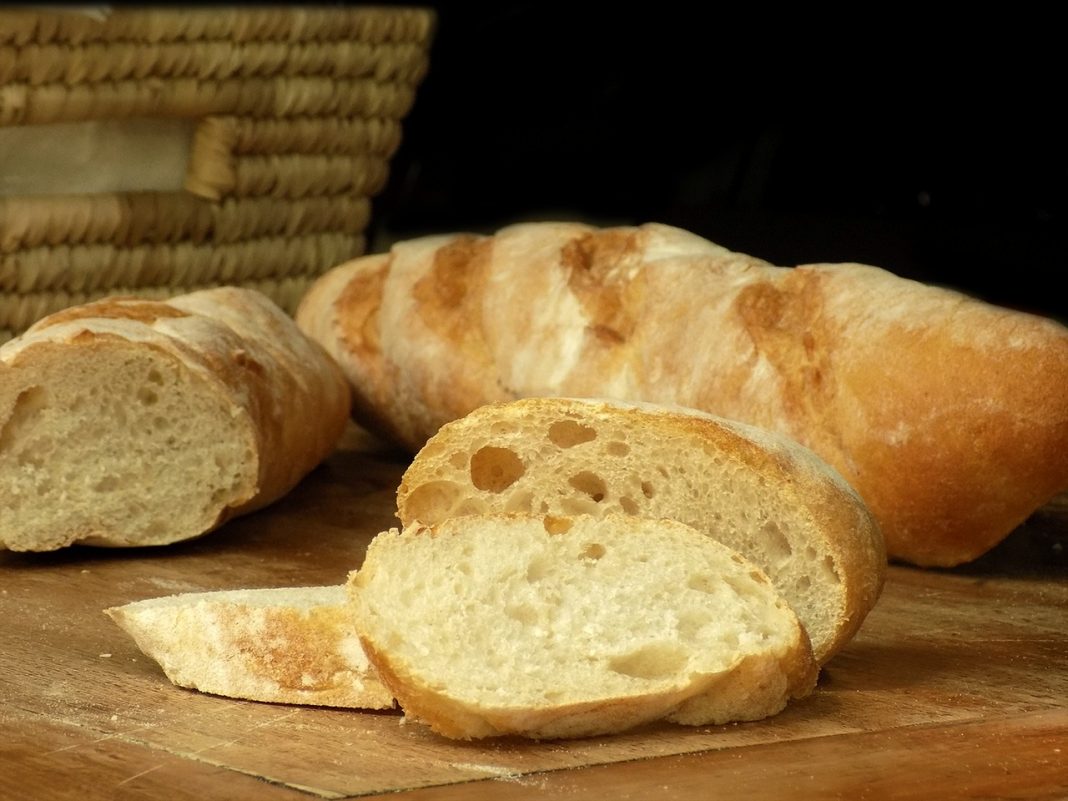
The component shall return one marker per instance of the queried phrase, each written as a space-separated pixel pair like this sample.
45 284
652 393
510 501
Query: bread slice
293 645
129 422
551 627
760 493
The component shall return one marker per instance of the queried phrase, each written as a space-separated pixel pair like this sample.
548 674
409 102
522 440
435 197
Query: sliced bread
292 645
130 422
552 627
760 493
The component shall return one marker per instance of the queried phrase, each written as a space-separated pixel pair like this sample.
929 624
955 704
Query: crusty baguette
548 627
949 415
292 645
130 422
760 493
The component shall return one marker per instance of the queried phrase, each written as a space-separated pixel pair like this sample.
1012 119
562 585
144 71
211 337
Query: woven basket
291 117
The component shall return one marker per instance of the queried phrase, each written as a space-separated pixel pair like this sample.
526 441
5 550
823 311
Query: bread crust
287 396
949 415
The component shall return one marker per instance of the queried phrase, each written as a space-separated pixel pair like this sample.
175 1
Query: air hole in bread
522 613
829 569
702 582
469 506
155 377
737 586
589 483
652 661
556 525
690 624
580 505
568 433
495 469
592 552
648 490
458 460
776 546
519 502
106 484
538 569
28 403
147 396
617 448
628 505
435 499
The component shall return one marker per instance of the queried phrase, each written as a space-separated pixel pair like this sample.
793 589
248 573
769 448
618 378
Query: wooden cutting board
954 672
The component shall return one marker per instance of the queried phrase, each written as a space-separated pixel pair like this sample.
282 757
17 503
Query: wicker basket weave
295 115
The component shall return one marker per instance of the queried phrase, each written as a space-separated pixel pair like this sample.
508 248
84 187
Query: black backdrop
937 151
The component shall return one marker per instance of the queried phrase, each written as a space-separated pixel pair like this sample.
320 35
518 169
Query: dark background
934 150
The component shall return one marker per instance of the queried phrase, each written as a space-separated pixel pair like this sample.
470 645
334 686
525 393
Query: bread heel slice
762 494
553 626
293 645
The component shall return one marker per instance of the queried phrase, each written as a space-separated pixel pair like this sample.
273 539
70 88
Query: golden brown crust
948 414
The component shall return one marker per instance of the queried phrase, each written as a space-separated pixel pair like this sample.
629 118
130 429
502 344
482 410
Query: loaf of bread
949 415
128 422
293 645
550 626
762 494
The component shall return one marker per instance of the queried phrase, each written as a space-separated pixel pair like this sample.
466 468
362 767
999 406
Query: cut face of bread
284 645
549 627
129 422
761 494
120 445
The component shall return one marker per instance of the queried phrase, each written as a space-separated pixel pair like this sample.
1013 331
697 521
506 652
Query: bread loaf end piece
762 494
292 645
129 422
554 626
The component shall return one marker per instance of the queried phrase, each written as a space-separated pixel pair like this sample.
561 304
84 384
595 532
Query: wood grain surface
956 686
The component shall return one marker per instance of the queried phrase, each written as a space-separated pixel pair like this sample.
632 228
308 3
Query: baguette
948 414
127 422
292 645
760 493
552 627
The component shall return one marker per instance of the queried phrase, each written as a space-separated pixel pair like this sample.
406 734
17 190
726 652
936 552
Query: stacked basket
291 117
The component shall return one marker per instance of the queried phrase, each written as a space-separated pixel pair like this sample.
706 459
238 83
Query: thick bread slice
292 645
764 495
129 422
947 414
549 627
